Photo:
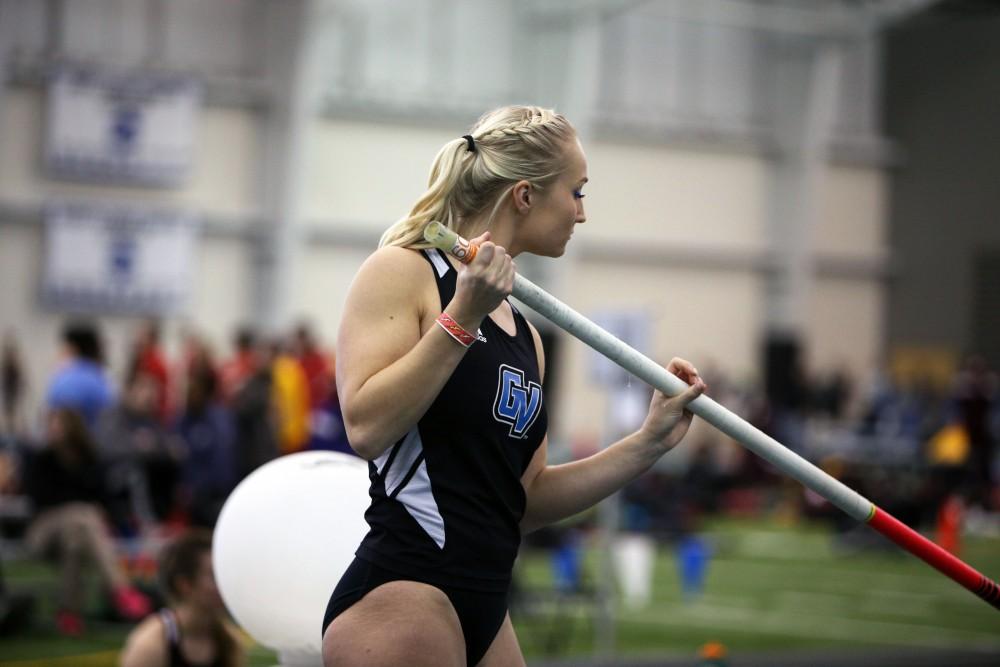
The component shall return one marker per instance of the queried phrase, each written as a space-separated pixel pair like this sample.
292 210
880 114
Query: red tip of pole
935 556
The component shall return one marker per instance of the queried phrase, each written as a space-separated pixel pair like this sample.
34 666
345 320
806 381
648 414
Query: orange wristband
455 330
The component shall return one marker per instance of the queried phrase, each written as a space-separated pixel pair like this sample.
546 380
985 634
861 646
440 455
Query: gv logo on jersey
518 402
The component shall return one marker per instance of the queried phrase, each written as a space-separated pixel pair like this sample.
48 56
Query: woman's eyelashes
578 195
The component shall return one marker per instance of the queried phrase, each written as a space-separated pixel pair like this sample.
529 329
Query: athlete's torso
173 633
447 499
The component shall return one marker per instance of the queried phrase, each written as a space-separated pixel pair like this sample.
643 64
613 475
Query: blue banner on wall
124 128
112 258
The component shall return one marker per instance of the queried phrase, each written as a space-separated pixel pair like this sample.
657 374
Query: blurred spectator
248 385
144 464
13 384
81 383
948 458
326 422
65 482
891 411
316 364
193 628
291 399
831 394
327 427
206 429
147 358
975 395
16 609
244 363
198 364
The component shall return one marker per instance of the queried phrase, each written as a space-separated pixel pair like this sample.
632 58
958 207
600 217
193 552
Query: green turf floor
768 588
772 587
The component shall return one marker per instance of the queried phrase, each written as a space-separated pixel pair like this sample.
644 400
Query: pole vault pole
849 501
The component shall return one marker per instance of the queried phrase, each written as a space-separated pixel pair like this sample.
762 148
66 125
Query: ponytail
435 203
476 172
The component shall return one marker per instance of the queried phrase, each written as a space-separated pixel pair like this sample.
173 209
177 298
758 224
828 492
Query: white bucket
634 556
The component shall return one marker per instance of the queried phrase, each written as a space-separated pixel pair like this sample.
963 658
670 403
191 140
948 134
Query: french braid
511 144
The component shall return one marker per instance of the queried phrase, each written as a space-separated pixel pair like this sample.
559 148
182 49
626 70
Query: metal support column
806 83
292 61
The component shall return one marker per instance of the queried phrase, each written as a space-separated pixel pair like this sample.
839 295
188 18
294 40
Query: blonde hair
512 143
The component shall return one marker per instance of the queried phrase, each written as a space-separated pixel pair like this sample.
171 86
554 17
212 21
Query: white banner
632 327
110 258
628 398
128 128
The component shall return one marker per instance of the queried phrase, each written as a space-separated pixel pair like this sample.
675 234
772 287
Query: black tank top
447 498
173 630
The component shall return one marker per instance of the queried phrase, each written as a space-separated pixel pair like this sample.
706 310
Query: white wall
853 210
706 317
221 183
675 196
325 272
366 175
846 321
369 173
221 186
362 176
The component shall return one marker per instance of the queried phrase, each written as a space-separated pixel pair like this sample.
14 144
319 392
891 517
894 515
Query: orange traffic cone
949 525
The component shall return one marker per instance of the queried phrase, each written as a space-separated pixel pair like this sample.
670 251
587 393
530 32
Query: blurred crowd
921 446
921 449
120 465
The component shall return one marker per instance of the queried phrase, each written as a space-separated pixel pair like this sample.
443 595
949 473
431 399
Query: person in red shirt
197 366
148 359
239 368
316 364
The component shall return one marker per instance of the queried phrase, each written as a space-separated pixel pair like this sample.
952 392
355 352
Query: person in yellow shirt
290 395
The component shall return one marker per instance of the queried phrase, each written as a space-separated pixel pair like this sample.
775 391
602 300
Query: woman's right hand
483 283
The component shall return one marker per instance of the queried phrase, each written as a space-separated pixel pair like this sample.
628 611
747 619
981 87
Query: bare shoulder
241 642
393 279
146 645
396 265
241 639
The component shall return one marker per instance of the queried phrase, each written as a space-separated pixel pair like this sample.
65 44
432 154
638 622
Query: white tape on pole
848 500
647 370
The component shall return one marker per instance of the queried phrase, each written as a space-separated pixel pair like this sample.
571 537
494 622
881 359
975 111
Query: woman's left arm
560 491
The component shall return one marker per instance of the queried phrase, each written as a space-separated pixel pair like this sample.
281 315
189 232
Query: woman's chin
551 252
555 250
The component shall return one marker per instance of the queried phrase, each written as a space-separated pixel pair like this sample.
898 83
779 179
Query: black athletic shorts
481 614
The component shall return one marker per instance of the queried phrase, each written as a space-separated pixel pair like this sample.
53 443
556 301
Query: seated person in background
143 460
193 630
17 608
206 428
66 486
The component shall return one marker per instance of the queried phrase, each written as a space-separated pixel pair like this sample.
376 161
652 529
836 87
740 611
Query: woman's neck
501 231
194 620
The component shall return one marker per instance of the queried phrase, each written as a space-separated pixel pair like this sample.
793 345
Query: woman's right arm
392 360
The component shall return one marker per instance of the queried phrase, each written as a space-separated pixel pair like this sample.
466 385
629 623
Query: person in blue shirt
81 383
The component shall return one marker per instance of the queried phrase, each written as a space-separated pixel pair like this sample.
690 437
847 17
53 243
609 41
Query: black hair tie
471 144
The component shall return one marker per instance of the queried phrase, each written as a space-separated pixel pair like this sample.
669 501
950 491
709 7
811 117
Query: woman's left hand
668 419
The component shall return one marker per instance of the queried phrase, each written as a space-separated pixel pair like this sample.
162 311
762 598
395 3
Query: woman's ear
522 194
